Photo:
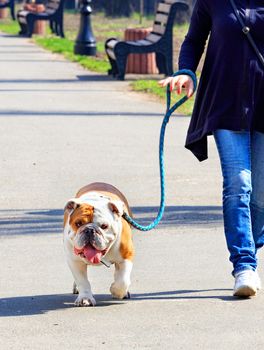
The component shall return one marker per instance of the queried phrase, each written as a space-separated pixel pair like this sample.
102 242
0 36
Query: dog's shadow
41 304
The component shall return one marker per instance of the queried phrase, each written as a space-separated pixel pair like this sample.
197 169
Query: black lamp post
85 43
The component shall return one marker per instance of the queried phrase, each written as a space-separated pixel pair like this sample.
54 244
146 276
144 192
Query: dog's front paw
119 291
85 300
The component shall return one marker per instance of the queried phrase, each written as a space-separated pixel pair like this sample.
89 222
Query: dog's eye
104 226
78 223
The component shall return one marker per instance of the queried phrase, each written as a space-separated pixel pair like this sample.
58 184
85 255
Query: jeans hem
242 268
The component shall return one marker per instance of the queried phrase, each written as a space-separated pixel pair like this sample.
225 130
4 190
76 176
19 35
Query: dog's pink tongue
92 254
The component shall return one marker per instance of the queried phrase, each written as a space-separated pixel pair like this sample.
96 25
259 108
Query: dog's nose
89 231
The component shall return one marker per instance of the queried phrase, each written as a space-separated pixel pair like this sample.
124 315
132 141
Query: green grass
152 87
65 47
10 27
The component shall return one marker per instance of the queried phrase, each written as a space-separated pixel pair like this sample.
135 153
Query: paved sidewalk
62 127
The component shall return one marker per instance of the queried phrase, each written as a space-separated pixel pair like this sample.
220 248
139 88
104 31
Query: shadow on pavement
180 215
38 81
78 79
37 222
10 36
41 304
16 45
25 113
129 77
95 77
27 60
187 295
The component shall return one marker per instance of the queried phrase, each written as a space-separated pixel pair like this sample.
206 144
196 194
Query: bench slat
50 11
23 13
157 28
53 2
163 7
144 42
111 43
52 6
153 37
170 1
161 18
111 53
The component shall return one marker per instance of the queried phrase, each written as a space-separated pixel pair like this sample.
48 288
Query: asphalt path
62 127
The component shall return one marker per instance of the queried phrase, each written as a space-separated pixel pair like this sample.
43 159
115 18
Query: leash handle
191 74
166 118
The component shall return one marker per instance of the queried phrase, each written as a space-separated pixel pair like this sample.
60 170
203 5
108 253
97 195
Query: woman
230 105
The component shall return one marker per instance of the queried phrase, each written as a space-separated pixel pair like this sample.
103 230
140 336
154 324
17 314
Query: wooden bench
11 5
158 41
53 13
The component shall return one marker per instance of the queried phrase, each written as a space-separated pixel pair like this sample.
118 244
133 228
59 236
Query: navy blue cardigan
231 89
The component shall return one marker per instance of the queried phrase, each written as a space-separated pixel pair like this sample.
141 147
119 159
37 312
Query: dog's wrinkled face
94 227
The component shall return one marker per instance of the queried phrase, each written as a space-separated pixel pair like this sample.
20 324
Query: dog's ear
117 207
71 205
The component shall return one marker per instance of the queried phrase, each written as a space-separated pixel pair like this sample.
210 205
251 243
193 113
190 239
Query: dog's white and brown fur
96 233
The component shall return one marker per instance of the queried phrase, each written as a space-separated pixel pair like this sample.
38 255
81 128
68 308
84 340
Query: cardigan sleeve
194 43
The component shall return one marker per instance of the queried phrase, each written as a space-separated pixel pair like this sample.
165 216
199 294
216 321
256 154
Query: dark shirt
231 88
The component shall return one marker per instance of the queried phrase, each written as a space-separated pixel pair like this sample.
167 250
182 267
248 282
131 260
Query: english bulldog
96 234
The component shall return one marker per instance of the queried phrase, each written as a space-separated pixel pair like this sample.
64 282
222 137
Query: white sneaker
246 283
258 281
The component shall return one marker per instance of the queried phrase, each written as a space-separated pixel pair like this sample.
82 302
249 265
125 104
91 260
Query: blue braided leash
169 112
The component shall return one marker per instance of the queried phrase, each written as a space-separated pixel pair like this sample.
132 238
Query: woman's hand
179 82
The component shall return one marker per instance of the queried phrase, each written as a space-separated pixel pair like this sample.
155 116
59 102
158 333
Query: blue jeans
242 161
